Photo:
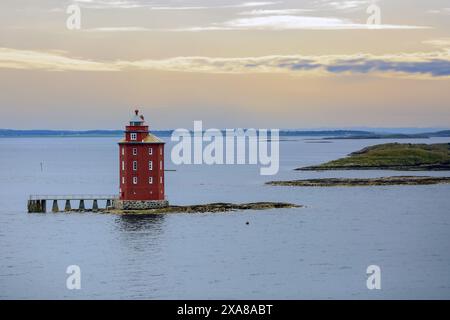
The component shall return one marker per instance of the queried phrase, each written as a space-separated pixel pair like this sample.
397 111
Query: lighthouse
141 168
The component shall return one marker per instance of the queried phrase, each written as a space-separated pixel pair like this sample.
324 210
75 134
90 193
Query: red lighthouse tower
141 168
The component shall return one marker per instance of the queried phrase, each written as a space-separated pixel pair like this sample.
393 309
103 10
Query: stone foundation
139 204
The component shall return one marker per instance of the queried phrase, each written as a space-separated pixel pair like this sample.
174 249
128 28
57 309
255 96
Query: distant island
362 182
368 135
392 156
9 133
321 134
166 133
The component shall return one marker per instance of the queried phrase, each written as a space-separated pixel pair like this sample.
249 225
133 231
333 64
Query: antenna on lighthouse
136 111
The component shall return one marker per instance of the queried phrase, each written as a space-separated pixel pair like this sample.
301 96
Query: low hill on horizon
326 134
392 156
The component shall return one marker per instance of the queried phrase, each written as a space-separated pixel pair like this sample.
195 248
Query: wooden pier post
31 206
55 206
37 206
67 207
95 206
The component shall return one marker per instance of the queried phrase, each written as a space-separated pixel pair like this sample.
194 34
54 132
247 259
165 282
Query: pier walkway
38 203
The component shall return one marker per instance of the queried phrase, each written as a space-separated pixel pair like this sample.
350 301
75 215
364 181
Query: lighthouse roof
152 139
148 139
136 118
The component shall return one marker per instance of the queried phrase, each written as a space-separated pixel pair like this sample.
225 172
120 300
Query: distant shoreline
9 133
59 136
323 135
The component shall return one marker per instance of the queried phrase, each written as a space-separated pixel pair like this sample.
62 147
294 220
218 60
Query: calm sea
320 251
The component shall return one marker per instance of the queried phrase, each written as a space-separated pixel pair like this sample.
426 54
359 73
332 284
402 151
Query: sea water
319 251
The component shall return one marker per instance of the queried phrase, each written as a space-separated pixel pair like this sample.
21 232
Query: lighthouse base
140 204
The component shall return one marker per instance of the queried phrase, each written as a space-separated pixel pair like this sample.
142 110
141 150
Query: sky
236 63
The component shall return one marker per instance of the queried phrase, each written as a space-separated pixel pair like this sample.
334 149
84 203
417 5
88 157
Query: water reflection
141 234
133 223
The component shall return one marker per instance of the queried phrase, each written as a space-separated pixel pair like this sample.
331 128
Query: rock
208 208
350 182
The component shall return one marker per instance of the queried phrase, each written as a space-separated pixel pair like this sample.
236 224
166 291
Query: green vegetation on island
393 156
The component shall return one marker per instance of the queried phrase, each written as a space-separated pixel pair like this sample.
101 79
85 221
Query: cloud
442 42
433 67
440 11
257 19
254 4
110 4
423 65
291 22
345 5
263 12
132 4
118 29
48 60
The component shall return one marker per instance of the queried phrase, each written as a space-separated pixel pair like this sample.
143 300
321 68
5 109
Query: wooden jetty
38 203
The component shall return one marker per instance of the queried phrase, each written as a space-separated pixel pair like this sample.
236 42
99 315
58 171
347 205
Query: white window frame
160 151
135 180
135 151
123 165
150 180
150 165
150 151
123 151
135 165
123 180
133 136
160 180
160 165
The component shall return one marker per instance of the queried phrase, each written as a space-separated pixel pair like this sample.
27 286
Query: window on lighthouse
134 165
150 165
123 165
135 180
150 180
134 151
150 151
160 165
134 136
